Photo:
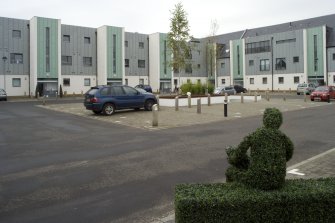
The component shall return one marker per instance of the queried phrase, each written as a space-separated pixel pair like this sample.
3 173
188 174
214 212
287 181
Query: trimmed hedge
299 200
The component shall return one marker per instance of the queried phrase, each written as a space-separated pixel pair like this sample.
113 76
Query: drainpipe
272 63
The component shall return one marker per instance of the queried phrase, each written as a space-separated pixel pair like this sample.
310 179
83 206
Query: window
295 59
223 81
47 49
264 65
281 80
87 82
66 81
222 65
87 61
251 62
280 64
315 53
126 43
87 40
258 47
252 81
141 81
67 60
188 68
130 91
238 60
126 62
126 81
265 80
296 79
16 82
66 38
286 41
199 66
141 63
188 54
141 45
16 34
16 58
114 54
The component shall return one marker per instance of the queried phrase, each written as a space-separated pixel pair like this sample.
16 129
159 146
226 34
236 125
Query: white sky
150 16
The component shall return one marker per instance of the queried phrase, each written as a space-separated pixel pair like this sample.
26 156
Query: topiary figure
265 167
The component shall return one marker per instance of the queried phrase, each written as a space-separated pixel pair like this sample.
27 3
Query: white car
3 95
305 88
230 90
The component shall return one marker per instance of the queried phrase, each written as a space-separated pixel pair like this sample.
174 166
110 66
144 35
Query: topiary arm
288 145
238 156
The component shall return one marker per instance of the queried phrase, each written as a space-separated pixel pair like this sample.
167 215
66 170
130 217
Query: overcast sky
150 16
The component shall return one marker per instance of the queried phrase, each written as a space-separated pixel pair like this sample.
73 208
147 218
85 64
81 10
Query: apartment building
41 55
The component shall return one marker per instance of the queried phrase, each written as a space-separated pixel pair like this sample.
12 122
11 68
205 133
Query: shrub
299 200
197 88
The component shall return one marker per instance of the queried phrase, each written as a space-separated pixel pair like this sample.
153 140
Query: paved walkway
169 118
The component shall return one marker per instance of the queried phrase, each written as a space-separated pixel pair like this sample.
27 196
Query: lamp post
4 58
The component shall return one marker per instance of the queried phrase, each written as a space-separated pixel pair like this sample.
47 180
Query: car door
134 99
120 97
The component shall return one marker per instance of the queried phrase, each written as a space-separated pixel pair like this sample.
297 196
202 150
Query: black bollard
225 108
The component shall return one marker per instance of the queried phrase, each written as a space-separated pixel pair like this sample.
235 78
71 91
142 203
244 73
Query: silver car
3 95
230 90
305 88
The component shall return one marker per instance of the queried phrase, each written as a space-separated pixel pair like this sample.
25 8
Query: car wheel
312 99
96 112
148 105
108 109
298 93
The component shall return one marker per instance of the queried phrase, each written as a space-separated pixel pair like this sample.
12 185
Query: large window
141 63
280 64
87 82
114 54
265 80
66 38
264 65
16 82
126 62
258 47
47 49
281 80
66 81
87 40
295 59
67 60
188 68
16 58
16 33
87 61
286 41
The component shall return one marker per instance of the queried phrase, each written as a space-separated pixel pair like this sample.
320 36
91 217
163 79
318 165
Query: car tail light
94 100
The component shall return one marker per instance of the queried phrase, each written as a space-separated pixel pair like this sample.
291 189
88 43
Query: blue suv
108 99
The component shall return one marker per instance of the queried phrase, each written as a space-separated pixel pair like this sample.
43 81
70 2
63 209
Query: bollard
305 97
199 106
225 108
82 92
242 97
208 99
284 95
38 95
176 103
155 115
267 95
255 96
189 99
43 101
225 96
56 95
157 97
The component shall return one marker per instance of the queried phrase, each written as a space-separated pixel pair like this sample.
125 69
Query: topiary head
272 118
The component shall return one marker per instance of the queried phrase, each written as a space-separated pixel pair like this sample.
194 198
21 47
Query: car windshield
322 89
302 85
141 90
92 91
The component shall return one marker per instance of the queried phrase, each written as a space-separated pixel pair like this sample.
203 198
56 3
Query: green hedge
311 200
197 88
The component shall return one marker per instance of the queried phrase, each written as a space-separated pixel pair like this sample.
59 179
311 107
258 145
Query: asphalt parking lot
169 118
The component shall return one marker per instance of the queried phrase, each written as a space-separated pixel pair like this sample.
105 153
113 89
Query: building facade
41 55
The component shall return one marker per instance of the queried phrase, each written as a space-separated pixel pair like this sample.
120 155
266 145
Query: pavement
319 166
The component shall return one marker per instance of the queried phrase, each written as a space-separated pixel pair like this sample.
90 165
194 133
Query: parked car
108 99
305 88
3 95
225 89
147 88
323 93
239 89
